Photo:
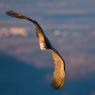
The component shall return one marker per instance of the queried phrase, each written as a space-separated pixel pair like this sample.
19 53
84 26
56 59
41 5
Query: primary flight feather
59 64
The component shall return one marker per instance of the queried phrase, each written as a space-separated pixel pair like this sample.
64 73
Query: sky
70 26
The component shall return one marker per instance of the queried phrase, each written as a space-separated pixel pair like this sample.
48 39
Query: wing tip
15 14
10 12
56 84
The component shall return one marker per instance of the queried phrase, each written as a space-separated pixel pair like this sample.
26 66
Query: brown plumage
59 64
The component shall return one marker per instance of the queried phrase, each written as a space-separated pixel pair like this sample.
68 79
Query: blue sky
70 26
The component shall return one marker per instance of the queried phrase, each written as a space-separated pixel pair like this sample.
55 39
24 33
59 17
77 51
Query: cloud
92 33
57 33
80 64
66 11
69 35
66 7
1 5
71 44
77 63
19 31
13 31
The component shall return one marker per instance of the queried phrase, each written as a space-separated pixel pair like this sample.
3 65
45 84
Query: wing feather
39 31
59 64
59 70
15 14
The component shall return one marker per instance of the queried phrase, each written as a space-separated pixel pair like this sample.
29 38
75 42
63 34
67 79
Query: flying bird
44 43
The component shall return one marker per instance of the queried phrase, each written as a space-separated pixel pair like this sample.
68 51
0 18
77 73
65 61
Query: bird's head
43 46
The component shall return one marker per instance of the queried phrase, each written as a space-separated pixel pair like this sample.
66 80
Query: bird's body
44 43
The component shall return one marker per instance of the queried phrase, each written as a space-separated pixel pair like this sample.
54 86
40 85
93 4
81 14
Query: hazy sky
70 26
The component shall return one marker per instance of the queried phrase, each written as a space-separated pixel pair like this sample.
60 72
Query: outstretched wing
59 65
59 70
38 29
15 14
